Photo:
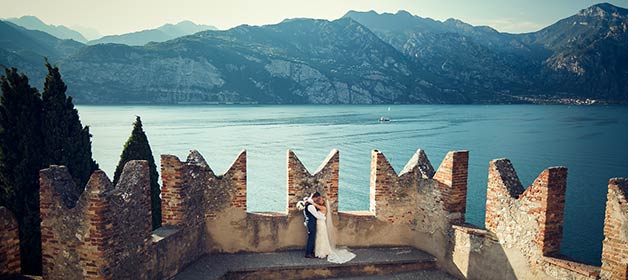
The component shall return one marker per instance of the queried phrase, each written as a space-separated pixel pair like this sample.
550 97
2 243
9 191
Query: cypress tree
20 161
138 148
66 141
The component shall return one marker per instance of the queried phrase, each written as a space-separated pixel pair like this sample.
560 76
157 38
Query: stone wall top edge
170 156
268 214
508 176
420 161
498 159
362 213
621 187
618 180
475 230
621 183
195 158
163 232
412 164
556 167
58 187
235 162
294 159
333 154
571 265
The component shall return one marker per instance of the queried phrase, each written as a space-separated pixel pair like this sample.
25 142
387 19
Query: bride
325 245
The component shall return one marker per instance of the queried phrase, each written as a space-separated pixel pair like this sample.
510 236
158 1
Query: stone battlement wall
100 233
104 233
394 218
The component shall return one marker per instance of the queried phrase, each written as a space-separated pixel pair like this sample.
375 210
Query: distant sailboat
384 119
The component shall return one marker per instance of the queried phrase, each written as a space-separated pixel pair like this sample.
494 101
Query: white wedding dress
325 245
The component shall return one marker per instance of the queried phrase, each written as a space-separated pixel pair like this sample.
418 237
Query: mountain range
361 58
161 34
59 31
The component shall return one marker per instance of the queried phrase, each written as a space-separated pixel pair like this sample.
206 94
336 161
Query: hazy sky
121 16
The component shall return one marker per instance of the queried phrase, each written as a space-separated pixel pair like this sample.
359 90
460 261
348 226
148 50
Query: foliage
66 141
21 150
138 148
35 132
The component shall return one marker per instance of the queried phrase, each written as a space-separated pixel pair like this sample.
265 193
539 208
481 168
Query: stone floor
217 265
431 274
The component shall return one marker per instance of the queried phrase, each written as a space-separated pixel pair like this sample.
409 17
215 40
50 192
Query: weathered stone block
531 219
452 181
615 245
102 235
9 244
300 182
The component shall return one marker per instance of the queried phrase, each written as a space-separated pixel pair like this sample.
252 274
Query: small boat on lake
383 119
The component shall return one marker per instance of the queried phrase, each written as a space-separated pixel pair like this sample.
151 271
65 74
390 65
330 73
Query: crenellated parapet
418 206
105 231
264 231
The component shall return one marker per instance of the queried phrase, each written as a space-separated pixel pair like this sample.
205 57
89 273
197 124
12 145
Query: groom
311 214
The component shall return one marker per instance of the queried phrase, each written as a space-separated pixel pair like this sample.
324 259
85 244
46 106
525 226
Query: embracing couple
321 241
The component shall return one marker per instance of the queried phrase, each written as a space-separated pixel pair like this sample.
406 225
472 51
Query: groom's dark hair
316 194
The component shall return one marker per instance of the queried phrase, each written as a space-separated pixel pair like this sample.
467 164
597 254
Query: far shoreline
235 104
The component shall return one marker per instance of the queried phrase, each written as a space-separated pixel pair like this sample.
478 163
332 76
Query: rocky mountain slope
474 59
589 53
296 61
582 56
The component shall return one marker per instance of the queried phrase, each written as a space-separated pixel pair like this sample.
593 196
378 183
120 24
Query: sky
122 16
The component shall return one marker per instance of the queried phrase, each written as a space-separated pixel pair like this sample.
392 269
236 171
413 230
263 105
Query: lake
590 141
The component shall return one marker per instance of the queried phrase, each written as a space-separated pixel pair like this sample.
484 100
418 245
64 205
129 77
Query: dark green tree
138 148
21 150
66 141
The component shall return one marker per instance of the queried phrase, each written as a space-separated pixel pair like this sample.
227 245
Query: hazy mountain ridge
161 34
59 31
361 58
24 49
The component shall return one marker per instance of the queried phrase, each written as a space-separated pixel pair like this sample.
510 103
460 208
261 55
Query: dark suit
310 222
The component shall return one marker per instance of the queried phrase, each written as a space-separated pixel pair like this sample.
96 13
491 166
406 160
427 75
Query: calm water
590 141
